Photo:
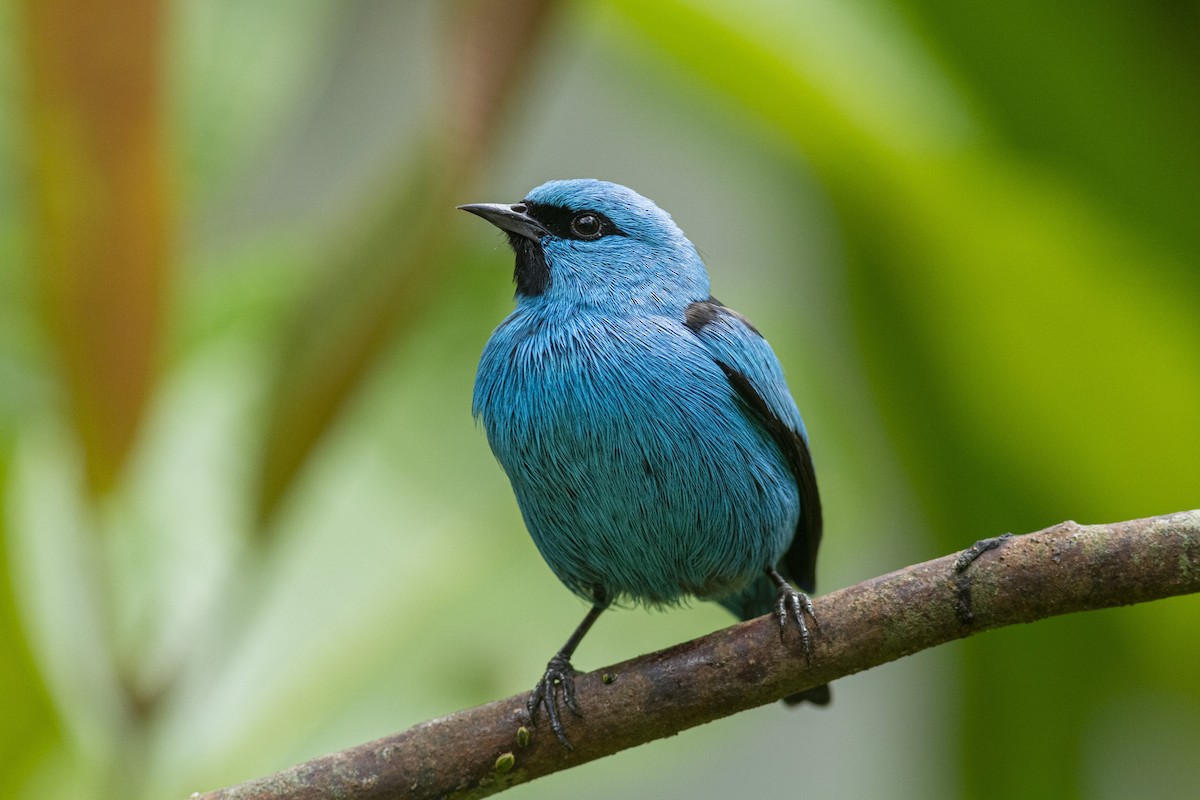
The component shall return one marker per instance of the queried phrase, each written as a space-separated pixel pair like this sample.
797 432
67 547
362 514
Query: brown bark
480 751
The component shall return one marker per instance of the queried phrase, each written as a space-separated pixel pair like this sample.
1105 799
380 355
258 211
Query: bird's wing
757 378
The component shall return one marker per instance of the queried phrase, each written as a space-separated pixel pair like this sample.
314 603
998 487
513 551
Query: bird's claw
560 676
795 605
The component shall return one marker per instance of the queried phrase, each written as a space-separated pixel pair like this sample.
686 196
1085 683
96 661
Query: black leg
795 604
561 675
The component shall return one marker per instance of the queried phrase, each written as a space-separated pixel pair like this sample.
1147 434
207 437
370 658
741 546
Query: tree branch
483 750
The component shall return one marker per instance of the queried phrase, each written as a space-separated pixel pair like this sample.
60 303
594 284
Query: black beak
514 219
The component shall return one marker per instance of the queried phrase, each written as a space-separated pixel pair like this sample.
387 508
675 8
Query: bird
649 435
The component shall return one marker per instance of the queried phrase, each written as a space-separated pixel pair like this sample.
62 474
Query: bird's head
592 242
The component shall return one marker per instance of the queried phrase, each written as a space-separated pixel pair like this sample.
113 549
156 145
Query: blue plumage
649 435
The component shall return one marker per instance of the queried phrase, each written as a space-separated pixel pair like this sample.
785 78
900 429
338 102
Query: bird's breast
539 377
634 466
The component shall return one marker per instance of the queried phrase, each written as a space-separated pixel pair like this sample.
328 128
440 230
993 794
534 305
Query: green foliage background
969 231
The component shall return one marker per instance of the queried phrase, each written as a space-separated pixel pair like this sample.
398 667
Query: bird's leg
795 604
561 675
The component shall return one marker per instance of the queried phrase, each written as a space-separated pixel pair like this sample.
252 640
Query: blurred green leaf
30 728
1110 99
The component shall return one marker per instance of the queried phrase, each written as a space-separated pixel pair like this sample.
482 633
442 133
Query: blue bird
647 430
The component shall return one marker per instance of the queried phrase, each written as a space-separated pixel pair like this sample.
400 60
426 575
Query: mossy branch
480 751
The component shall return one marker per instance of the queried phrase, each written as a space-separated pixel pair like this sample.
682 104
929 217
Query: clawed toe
559 681
796 605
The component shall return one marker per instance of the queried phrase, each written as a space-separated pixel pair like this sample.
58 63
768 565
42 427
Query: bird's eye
586 225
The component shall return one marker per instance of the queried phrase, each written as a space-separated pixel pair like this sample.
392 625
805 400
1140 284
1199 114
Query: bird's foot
962 581
793 604
559 679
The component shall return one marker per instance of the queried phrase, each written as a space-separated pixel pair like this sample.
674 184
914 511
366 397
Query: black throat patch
531 272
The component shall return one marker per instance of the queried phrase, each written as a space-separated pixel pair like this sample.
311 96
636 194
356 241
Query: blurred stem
481 751
102 212
382 281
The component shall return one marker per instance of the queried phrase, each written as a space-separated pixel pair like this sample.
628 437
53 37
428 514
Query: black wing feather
800 561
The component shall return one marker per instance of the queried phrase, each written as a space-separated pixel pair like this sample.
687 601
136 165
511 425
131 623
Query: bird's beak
514 219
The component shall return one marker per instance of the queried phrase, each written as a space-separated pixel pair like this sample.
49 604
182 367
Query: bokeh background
247 518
